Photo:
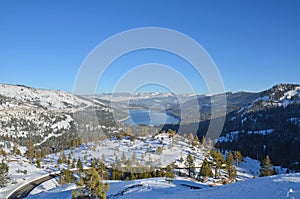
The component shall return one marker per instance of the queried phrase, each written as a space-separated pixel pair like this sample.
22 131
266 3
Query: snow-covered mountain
143 97
267 125
280 95
41 114
254 121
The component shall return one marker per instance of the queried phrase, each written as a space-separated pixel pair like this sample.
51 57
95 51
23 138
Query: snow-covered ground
17 164
61 192
234 135
145 150
280 186
28 112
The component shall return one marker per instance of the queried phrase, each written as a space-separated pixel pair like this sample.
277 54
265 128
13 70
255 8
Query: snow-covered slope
31 112
280 95
20 172
175 151
282 186
62 192
47 99
145 149
277 187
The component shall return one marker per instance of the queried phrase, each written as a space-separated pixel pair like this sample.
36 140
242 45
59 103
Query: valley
44 132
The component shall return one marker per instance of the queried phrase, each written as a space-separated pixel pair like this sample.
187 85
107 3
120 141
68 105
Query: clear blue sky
255 44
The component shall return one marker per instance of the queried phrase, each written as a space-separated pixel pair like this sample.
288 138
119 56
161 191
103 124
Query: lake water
150 118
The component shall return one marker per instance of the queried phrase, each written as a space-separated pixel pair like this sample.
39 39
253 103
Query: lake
150 118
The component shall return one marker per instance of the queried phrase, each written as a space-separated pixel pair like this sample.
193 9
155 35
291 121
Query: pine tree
80 184
230 165
59 161
63 156
30 150
38 163
73 163
159 150
218 160
4 179
203 141
16 149
266 167
79 165
190 165
195 141
238 157
181 159
3 153
169 173
94 186
205 169
100 168
74 194
229 159
191 138
69 156
132 176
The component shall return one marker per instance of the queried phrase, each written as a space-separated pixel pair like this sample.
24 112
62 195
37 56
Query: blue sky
255 44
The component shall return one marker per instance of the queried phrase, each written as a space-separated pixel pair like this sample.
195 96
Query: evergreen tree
59 161
80 184
169 173
195 141
30 150
16 149
238 157
3 153
191 138
73 163
181 160
4 179
38 163
266 167
79 165
218 160
229 159
132 176
159 150
190 165
100 168
230 165
94 186
203 141
69 156
205 169
63 156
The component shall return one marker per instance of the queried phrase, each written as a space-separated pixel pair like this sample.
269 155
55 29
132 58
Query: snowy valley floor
145 149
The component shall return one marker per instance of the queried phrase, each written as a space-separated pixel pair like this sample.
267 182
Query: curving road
24 191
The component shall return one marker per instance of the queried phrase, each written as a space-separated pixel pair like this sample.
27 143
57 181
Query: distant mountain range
258 124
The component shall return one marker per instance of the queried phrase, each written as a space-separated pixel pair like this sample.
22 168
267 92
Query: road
24 191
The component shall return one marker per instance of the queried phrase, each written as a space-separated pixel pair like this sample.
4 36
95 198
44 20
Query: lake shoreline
149 118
